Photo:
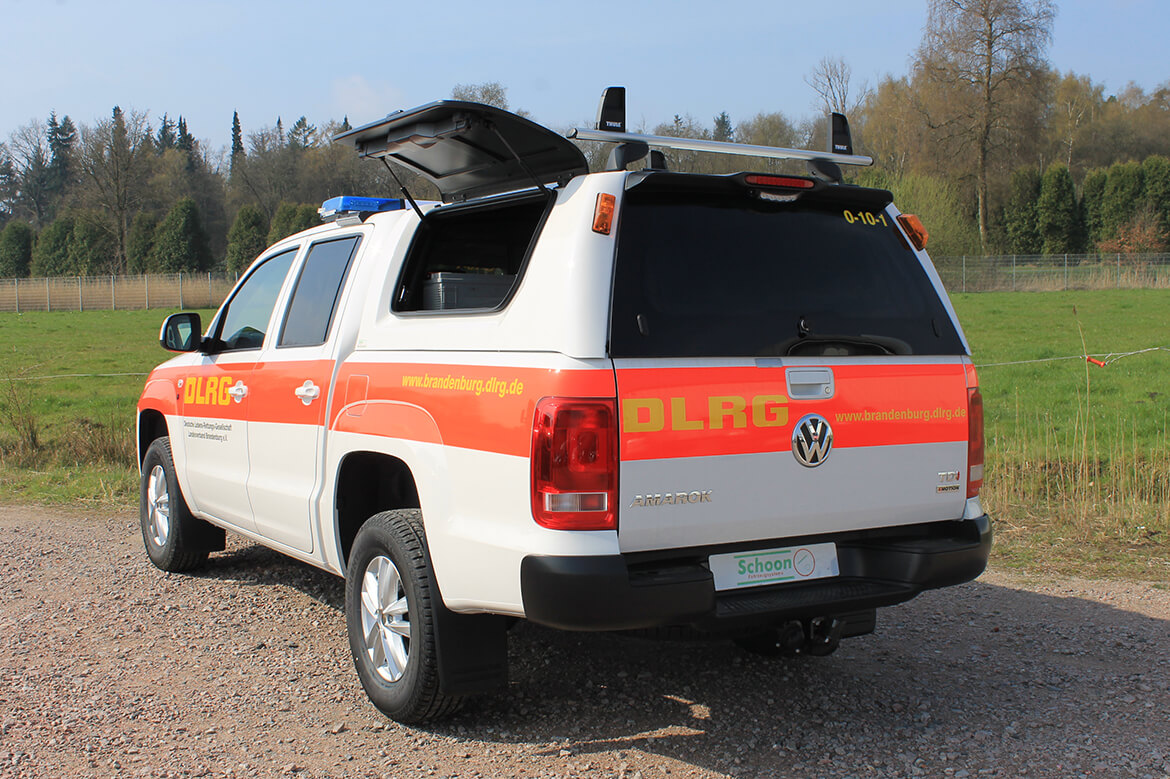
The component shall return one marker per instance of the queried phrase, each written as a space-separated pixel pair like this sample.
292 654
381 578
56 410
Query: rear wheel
390 604
169 530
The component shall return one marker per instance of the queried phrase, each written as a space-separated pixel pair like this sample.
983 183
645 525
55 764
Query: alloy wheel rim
158 506
385 619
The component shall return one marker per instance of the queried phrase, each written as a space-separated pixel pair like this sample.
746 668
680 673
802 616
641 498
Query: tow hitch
819 636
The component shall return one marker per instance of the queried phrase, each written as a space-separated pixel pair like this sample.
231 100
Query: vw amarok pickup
623 400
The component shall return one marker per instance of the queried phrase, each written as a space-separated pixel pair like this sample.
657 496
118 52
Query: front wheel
390 604
169 530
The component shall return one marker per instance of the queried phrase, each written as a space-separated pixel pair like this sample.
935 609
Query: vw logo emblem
812 438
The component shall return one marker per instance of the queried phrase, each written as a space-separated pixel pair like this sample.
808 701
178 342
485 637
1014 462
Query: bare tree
1076 103
489 93
831 79
29 154
115 165
980 59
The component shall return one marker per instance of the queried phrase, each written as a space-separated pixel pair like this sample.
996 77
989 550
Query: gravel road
109 667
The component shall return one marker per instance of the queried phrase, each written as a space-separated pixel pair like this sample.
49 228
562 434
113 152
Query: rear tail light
974 442
575 464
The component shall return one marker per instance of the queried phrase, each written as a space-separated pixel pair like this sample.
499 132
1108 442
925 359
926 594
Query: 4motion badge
812 440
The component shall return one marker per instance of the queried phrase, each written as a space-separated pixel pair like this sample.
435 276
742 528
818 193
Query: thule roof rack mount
611 128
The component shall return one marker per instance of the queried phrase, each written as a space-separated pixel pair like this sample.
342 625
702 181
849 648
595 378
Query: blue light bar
349 204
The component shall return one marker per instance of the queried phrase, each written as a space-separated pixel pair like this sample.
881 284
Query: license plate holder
783 565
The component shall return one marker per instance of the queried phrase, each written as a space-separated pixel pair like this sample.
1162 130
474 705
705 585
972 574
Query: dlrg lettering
207 390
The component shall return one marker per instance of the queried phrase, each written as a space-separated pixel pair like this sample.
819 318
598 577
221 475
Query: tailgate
708 454
743 316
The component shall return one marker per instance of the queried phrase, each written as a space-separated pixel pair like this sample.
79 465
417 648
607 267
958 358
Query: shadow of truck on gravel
970 678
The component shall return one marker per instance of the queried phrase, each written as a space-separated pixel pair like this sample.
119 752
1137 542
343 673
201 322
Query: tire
169 530
390 604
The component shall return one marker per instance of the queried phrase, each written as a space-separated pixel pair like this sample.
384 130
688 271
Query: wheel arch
152 425
369 483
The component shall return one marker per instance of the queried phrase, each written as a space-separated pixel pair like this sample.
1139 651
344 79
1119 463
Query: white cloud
362 101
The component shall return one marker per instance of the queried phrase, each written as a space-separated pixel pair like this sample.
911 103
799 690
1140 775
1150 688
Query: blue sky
328 59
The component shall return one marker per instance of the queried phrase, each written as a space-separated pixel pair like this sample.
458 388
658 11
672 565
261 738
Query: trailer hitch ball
824 636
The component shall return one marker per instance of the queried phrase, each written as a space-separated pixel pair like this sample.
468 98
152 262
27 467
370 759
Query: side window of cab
243 323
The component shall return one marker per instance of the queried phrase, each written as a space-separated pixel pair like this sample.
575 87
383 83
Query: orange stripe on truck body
487 408
696 412
272 386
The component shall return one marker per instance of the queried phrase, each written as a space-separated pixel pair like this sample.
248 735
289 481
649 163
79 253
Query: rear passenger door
289 395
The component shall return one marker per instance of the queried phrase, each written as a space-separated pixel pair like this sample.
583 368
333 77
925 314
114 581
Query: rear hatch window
720 271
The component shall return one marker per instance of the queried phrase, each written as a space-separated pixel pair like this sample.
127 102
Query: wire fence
86 293
1009 272
1046 273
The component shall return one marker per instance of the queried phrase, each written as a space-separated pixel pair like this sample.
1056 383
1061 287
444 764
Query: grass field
83 425
1078 456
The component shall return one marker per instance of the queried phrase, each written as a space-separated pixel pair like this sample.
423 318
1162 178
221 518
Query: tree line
993 148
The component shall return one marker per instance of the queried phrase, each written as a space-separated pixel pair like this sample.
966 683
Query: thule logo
671 498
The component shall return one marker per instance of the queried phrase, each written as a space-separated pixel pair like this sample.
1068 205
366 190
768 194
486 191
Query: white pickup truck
625 400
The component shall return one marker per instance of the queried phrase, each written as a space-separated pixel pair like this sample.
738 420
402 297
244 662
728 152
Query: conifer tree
179 241
1023 233
50 256
246 239
284 222
1058 217
61 136
16 242
302 135
237 140
166 134
91 249
306 217
1124 196
183 139
723 129
1092 195
140 242
1156 173
8 186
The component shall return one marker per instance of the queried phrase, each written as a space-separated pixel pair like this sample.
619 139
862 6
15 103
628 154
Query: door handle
238 391
307 392
810 383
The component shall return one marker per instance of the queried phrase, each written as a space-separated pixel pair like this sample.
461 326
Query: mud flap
206 537
472 651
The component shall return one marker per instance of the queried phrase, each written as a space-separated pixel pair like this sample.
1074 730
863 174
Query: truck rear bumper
617 592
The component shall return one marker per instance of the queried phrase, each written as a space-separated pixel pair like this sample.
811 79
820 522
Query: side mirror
181 332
